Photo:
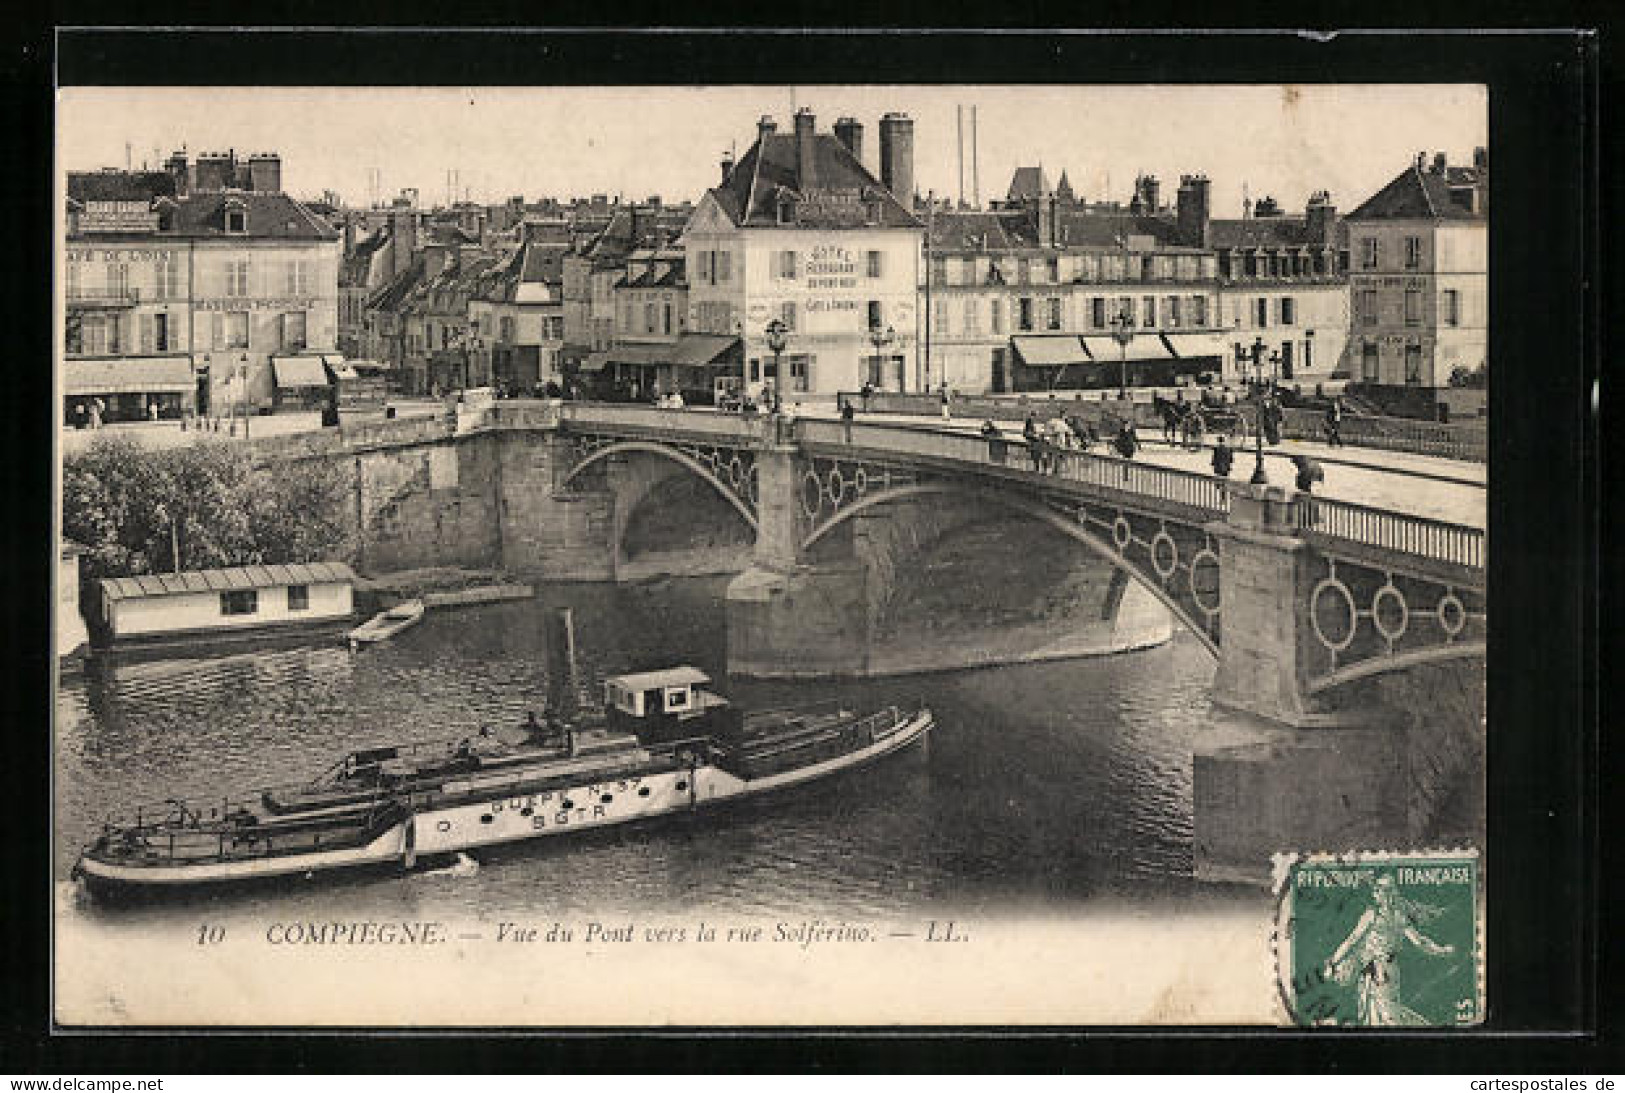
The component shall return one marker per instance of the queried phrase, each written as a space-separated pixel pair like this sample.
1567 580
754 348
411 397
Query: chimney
1153 192
727 168
1481 158
265 173
1320 219
436 256
1438 163
349 236
176 166
215 171
806 150
1193 211
897 157
849 131
765 127
404 235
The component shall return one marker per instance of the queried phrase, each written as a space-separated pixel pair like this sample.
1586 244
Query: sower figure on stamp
1372 949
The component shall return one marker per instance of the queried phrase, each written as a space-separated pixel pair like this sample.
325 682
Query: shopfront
302 382
127 389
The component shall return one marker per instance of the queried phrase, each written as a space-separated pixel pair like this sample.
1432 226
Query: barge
664 745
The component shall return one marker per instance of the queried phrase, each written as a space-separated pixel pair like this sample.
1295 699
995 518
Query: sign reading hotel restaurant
831 267
118 216
840 206
243 303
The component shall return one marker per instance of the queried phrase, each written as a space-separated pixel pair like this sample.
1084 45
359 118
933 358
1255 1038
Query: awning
299 371
1051 352
594 362
1196 345
694 350
126 375
1144 347
340 367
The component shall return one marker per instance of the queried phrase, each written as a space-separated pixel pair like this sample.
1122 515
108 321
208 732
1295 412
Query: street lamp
777 335
238 387
880 337
1123 333
1256 353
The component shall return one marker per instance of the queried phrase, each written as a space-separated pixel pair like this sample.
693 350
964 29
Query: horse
1173 414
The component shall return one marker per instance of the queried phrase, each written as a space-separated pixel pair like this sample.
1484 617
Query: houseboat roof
224 580
669 677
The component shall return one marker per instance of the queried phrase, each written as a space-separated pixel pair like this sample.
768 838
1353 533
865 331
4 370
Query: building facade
192 299
1418 276
799 232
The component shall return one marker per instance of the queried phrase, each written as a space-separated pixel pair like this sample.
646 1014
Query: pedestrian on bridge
1223 458
868 392
1127 443
1029 433
846 416
1334 424
1309 472
947 414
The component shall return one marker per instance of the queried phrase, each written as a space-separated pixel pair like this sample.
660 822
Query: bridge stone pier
1349 641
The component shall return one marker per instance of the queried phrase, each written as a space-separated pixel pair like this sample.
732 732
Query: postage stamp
1380 939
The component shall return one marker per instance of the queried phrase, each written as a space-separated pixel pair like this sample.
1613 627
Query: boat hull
508 818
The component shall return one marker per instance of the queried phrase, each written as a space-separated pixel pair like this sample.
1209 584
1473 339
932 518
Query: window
1150 303
1053 265
236 218
874 263
800 371
784 264
972 315
1170 311
1289 311
1097 312
1368 253
1261 312
1309 353
244 601
725 265
118 280
1026 305
939 270
875 316
1198 310
1452 307
998 316
299 597
236 330
1413 307
168 279
293 330
73 279
298 277
1413 364
1368 362
237 277
665 324
160 332
939 320
1053 317
787 314
1125 310
552 328
1413 252
1368 307
649 317
505 328
1023 271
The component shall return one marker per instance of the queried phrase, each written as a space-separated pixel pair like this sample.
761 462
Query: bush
205 506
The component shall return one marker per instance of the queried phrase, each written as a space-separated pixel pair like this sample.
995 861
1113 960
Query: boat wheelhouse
212 605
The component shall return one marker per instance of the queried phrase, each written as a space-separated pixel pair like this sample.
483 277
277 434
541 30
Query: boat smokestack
563 693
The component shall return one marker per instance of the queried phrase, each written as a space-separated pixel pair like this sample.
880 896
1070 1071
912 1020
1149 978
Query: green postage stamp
1380 939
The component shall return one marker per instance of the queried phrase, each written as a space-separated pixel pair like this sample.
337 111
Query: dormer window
236 218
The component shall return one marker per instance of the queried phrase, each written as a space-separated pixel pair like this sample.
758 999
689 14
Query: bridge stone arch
1182 579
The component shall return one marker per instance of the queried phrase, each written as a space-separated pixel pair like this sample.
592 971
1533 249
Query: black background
1546 503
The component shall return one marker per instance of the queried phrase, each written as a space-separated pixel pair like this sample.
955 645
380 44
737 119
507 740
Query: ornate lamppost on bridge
1122 332
1255 353
880 337
778 336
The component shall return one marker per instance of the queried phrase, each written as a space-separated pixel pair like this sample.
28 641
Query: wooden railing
1394 531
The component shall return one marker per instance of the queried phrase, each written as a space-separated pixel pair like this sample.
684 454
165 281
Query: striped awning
1052 351
1196 345
126 375
1144 347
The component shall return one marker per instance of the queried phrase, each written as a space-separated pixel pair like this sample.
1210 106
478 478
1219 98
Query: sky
565 141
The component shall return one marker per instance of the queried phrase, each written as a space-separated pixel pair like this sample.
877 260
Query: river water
1043 786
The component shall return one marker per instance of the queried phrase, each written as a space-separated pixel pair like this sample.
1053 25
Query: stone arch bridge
1301 600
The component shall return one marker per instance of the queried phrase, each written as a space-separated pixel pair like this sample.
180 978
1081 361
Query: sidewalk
169 434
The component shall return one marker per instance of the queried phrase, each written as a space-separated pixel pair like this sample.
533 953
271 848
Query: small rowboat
386 624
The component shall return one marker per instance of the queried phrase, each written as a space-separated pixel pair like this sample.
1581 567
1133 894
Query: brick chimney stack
1193 210
806 150
849 131
897 157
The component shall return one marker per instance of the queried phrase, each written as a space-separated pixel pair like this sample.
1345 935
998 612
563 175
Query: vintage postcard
721 556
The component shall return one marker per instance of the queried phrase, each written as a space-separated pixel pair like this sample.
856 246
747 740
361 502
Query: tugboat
663 745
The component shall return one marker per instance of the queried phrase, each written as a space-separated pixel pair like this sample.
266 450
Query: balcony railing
103 297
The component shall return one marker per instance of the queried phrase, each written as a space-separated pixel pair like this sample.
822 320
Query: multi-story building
188 293
800 232
1283 289
517 320
1033 295
595 264
1418 274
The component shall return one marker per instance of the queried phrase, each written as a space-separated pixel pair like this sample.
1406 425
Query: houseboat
663 744
159 611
